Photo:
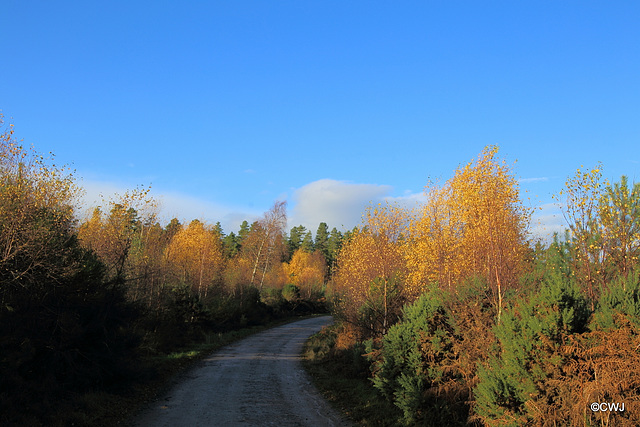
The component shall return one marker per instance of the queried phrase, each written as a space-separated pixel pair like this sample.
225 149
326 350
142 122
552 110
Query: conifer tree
295 239
322 240
244 232
334 245
172 228
231 245
307 242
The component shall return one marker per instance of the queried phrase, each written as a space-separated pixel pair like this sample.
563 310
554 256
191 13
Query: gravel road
258 381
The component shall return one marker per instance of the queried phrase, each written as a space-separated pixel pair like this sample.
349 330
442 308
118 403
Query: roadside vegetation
97 311
453 314
447 314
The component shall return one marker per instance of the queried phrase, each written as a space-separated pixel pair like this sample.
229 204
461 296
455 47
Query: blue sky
224 107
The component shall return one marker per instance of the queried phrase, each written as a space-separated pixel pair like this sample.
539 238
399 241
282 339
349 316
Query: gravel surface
258 381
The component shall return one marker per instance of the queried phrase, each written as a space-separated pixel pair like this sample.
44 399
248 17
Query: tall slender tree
267 243
322 240
334 245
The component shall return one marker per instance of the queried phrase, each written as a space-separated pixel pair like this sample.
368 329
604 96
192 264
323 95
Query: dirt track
258 381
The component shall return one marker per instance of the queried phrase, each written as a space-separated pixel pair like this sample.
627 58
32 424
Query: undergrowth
342 376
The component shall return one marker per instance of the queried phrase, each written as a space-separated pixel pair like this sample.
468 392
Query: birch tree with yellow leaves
112 235
306 270
619 210
604 227
265 243
195 253
474 225
580 206
370 271
37 203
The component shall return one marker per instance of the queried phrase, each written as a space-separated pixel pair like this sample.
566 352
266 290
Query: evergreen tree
244 232
322 240
307 242
295 239
172 228
218 229
334 244
348 234
231 245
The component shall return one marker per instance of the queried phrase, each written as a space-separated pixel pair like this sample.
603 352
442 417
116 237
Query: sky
224 107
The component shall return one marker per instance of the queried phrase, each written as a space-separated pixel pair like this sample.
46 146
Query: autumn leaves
473 225
467 320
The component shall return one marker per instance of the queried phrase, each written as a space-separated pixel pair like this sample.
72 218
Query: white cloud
338 203
547 220
186 208
409 200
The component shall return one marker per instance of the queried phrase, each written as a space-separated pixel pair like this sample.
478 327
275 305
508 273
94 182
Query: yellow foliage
306 270
37 203
111 236
375 252
579 200
196 252
474 225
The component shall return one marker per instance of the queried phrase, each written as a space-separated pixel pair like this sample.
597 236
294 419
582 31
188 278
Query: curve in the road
258 381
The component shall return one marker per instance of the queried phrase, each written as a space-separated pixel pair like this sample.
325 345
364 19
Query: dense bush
555 358
530 335
427 362
618 301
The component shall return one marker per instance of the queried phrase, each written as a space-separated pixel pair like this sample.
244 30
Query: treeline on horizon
456 315
85 302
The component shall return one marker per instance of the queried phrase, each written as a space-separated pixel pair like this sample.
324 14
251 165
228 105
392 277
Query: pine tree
244 232
322 240
334 245
307 242
172 228
218 229
295 239
231 245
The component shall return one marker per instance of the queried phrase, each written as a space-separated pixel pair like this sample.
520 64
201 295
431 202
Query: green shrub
530 337
403 373
291 292
621 297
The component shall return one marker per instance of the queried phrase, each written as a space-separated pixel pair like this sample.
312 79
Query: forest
89 303
452 312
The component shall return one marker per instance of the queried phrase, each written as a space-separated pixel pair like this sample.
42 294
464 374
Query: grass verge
342 376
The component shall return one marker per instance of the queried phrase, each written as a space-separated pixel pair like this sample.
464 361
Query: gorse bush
291 292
